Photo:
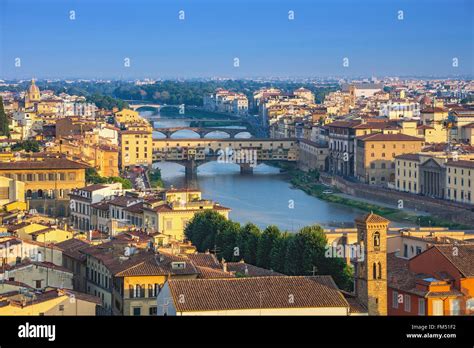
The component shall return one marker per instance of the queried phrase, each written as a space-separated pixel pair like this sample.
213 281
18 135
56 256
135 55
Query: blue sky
214 32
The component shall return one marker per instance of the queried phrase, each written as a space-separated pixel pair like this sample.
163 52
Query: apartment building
375 156
460 181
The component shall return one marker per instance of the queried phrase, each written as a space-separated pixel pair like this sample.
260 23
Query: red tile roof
256 292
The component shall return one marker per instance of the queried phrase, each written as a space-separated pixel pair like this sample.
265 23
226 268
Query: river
266 197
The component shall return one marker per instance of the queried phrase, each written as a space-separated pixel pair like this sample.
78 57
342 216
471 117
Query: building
38 275
128 279
460 181
313 156
284 295
371 270
46 178
42 232
375 156
136 147
75 261
438 281
32 95
82 199
51 302
170 217
436 175
12 194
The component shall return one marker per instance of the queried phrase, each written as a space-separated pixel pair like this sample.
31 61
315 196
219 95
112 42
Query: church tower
371 270
32 95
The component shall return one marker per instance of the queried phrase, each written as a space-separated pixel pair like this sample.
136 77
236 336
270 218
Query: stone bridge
201 131
247 153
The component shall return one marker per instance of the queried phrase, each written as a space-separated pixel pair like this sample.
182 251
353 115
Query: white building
82 199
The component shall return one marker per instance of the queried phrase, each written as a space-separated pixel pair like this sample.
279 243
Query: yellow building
93 151
460 181
33 95
42 233
136 147
407 173
12 194
171 217
127 116
371 270
51 302
375 155
128 279
45 177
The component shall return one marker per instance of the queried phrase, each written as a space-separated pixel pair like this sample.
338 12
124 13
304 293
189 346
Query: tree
248 242
27 145
203 228
226 241
265 245
94 178
278 253
4 129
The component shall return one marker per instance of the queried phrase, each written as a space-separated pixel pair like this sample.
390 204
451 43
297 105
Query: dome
33 89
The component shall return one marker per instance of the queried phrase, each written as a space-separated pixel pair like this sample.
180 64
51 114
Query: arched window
376 239
28 194
40 193
374 271
380 271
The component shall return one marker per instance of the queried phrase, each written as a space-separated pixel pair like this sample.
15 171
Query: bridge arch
176 134
218 133
240 135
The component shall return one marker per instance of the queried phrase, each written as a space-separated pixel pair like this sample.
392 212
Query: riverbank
309 183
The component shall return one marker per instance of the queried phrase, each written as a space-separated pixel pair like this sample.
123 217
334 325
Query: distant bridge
247 153
201 131
156 106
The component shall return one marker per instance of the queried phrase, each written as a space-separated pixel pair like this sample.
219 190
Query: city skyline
376 39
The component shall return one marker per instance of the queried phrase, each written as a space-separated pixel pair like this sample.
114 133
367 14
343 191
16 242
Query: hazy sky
214 32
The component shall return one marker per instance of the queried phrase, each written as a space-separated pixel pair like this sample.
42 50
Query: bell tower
371 270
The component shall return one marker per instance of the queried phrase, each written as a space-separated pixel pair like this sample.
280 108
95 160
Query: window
153 310
137 311
437 307
38 284
377 239
455 306
421 306
374 271
407 302
395 299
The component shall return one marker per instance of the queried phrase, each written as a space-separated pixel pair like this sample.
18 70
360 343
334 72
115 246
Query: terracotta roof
141 263
155 265
92 188
388 137
72 247
432 110
213 273
250 270
463 259
409 157
461 164
344 124
135 208
256 292
372 218
50 163
205 260
28 263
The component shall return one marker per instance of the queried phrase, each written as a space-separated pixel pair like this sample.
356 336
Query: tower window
376 239
380 271
374 271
